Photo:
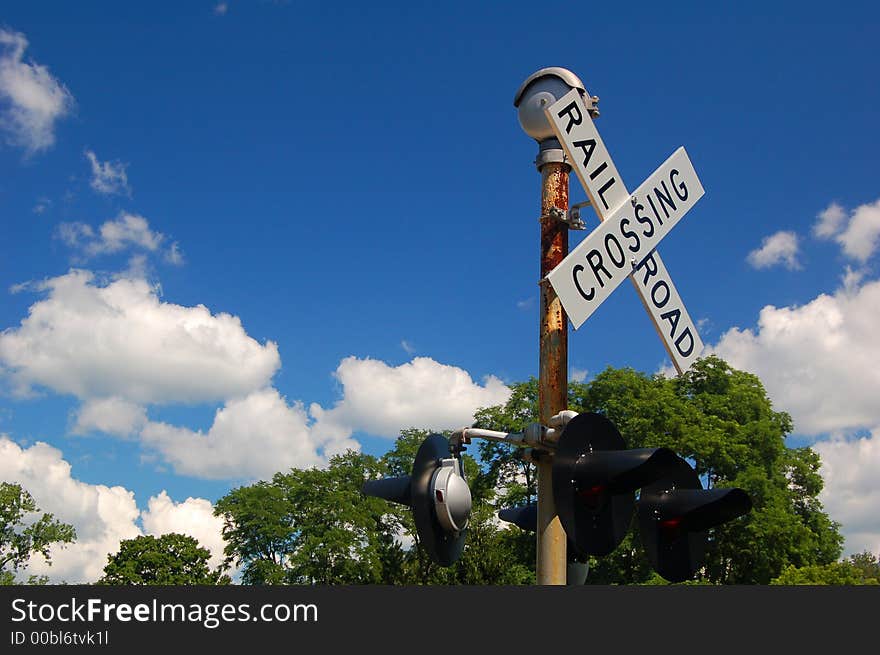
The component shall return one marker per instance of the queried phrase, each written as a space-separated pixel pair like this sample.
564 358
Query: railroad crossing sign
624 244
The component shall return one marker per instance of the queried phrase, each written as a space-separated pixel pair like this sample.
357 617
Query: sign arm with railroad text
634 225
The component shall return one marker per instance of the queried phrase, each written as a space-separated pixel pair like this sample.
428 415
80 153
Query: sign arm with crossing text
632 225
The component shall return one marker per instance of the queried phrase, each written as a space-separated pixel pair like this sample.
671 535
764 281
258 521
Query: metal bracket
572 218
575 222
592 104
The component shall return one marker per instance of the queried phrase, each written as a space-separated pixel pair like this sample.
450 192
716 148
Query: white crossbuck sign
624 244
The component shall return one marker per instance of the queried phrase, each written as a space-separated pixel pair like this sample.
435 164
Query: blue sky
242 236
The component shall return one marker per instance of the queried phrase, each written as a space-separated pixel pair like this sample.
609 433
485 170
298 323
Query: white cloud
113 415
578 374
173 255
408 347
257 435
101 515
381 400
31 99
819 361
108 177
119 349
193 517
858 234
221 8
126 231
779 248
251 437
42 205
860 239
851 495
830 221
121 340
851 279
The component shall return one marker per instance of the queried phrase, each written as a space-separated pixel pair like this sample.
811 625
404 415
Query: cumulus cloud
578 374
254 436
120 340
779 248
860 238
193 517
381 400
262 433
118 348
829 221
108 177
102 516
31 99
818 361
851 468
857 232
114 415
251 437
126 231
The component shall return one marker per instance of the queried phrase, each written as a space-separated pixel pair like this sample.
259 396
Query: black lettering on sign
690 348
654 209
574 276
644 220
672 316
657 285
603 189
573 120
629 234
610 238
587 146
596 265
650 267
665 198
681 187
601 167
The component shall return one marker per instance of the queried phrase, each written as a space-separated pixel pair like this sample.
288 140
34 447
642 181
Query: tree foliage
312 527
859 569
171 559
23 533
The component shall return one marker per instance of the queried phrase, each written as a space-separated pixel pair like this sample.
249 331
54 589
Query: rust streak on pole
553 369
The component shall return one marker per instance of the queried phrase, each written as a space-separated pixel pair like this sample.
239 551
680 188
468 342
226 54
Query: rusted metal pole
553 367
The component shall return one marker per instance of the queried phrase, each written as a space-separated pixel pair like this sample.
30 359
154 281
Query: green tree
172 559
866 564
258 529
513 477
313 527
21 536
859 569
